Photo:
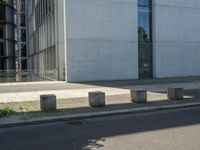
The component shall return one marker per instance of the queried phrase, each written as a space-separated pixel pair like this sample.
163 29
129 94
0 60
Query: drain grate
76 122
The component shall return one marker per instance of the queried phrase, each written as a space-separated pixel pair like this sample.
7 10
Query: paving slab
32 91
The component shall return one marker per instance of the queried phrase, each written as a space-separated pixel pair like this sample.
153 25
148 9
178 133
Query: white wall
176 38
101 40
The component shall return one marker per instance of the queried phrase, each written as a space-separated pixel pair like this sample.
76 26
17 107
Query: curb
99 114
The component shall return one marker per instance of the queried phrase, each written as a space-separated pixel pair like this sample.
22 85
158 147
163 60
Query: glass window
1 49
145 39
144 3
2 65
144 25
1 31
2 12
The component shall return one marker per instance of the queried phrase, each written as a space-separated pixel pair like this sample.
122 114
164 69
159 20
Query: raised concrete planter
175 93
139 96
48 103
97 99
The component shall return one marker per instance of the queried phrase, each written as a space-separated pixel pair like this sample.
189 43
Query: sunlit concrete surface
14 92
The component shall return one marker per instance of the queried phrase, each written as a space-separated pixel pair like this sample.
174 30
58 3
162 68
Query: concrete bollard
97 99
139 96
48 102
175 93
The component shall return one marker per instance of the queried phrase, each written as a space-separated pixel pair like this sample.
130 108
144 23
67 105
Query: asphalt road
167 130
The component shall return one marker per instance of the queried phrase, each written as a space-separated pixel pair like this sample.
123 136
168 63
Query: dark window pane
1 31
2 66
2 12
145 57
1 49
24 64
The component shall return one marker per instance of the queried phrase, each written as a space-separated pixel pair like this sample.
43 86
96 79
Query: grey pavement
61 85
166 130
18 92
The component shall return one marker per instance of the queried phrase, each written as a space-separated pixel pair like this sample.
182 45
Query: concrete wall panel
176 38
101 40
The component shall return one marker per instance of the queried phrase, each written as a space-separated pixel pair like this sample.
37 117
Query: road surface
166 130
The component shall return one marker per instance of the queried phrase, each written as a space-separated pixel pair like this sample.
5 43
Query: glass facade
2 18
7 42
145 38
42 46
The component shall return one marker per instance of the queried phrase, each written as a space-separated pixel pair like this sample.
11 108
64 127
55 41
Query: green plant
23 108
6 111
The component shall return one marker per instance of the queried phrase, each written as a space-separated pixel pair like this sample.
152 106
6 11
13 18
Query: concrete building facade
95 40
7 40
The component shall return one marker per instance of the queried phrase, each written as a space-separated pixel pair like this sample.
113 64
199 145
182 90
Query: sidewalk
73 100
23 92
72 116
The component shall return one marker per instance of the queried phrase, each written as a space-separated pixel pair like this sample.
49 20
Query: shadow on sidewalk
121 83
109 107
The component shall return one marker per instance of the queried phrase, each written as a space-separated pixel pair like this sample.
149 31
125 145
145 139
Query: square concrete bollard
175 93
48 102
139 96
97 99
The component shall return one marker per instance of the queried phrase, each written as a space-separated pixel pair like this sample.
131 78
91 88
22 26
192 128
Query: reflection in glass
142 3
145 38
